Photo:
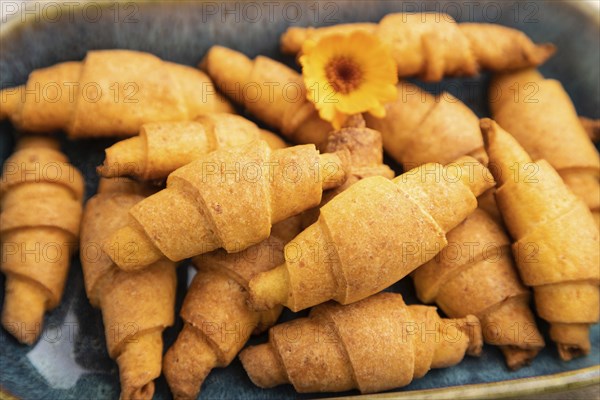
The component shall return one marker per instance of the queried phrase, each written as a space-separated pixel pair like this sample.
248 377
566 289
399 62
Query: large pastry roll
433 45
372 235
376 344
109 93
227 199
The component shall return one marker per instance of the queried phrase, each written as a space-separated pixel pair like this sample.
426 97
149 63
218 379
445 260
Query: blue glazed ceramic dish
71 361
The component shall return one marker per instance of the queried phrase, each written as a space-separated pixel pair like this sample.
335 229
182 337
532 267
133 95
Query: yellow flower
348 74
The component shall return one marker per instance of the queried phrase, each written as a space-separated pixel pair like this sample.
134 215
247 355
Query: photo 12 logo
69 11
66 92
315 12
526 12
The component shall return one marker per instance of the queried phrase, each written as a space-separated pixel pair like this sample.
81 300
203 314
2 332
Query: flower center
344 74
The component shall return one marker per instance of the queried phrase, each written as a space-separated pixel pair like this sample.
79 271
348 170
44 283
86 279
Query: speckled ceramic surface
71 362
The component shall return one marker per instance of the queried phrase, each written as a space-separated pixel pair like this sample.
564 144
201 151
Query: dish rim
510 388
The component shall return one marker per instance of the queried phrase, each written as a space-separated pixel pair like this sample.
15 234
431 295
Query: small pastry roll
41 196
162 147
476 275
419 128
555 240
270 90
540 115
136 306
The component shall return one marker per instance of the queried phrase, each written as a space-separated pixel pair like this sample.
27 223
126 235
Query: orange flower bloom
348 74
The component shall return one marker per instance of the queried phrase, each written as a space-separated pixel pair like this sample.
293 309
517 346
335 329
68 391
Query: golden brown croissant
419 128
540 115
162 147
109 93
556 240
229 198
475 274
270 90
41 197
136 306
376 344
217 320
372 235
433 45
